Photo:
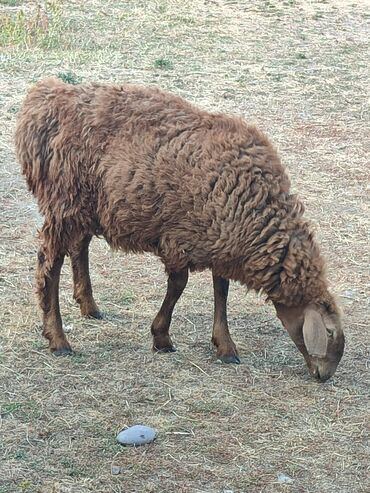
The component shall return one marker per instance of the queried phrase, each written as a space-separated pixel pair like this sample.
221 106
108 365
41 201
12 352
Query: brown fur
152 173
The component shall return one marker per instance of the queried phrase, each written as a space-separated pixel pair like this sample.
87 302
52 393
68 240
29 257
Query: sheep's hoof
97 315
166 349
230 358
65 351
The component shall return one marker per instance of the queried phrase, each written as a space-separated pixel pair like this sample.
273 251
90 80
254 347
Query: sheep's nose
321 375
324 377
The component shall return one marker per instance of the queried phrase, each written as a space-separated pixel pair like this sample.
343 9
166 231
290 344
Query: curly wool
152 173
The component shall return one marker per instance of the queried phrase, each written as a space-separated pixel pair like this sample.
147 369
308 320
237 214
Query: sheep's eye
330 332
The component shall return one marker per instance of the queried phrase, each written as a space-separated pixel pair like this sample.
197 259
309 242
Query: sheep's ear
314 333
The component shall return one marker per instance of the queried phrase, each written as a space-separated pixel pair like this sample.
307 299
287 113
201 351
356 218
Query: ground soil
299 69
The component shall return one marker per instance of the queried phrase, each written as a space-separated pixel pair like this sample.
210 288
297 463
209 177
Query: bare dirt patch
299 70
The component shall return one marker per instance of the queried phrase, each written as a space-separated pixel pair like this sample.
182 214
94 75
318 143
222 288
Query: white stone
136 435
284 478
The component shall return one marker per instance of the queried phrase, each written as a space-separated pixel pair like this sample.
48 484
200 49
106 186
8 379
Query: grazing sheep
152 173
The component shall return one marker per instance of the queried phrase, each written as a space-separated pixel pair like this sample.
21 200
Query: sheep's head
316 331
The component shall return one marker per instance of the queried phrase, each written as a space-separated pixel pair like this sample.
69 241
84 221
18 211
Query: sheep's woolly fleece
150 172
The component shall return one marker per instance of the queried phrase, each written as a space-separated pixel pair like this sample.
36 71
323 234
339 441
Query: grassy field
300 70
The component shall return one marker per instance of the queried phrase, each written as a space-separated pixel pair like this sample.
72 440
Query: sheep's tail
37 125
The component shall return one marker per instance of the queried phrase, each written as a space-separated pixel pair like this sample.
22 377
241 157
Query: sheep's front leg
47 277
82 290
226 349
160 327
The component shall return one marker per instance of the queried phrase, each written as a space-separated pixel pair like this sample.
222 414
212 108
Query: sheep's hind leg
160 327
82 290
226 349
47 278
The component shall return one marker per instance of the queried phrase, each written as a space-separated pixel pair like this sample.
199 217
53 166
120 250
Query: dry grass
298 69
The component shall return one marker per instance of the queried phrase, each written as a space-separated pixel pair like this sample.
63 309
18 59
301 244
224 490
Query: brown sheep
152 173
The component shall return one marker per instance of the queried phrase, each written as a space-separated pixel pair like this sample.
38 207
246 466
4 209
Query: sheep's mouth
320 373
323 377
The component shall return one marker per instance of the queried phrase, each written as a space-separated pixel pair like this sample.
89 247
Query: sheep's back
152 172
192 187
